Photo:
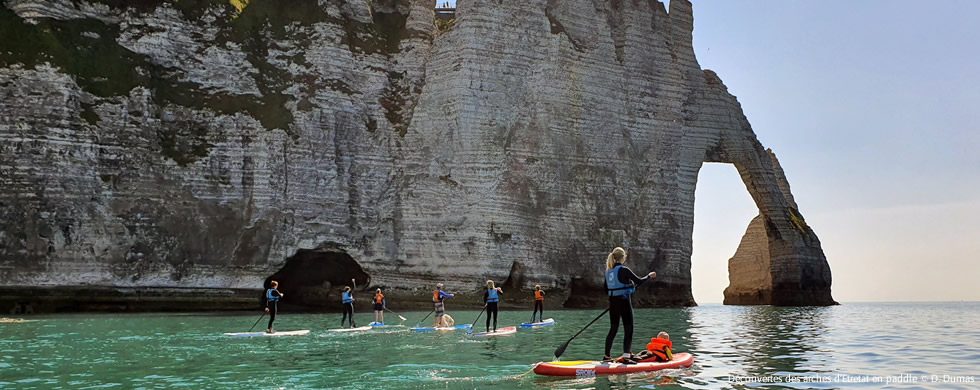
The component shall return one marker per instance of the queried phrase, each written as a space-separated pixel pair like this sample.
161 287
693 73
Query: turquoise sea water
869 345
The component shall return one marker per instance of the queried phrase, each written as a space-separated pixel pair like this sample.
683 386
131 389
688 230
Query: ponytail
618 256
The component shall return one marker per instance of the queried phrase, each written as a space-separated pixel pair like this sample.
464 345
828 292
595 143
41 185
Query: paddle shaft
470 330
399 315
354 324
561 349
423 319
257 322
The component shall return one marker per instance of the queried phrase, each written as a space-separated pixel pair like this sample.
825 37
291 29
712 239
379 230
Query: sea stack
161 153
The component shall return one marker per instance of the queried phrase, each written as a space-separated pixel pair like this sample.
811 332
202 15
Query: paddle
353 324
257 322
470 330
423 319
561 349
399 316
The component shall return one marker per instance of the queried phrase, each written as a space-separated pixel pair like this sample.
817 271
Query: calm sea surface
868 345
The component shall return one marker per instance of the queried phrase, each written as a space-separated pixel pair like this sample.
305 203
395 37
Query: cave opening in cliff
722 211
313 278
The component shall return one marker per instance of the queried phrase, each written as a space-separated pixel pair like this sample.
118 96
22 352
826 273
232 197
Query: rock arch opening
723 207
313 278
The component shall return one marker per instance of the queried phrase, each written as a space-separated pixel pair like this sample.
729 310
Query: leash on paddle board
399 315
423 319
561 349
528 372
257 321
470 330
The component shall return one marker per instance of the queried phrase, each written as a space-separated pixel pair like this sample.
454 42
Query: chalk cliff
157 152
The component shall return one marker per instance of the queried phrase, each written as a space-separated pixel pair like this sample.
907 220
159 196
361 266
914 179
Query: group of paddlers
490 300
619 283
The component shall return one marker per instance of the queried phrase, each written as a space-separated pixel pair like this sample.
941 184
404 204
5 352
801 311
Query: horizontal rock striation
214 145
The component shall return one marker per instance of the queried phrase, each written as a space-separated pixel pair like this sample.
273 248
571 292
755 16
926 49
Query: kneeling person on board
490 300
379 307
538 303
348 301
272 296
659 347
440 308
620 282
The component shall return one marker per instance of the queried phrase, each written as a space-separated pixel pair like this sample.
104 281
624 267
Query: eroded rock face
200 144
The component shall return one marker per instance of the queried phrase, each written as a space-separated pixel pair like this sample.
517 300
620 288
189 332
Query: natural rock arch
779 260
535 131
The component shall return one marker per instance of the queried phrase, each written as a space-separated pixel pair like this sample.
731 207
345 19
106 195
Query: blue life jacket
345 296
615 287
492 296
269 296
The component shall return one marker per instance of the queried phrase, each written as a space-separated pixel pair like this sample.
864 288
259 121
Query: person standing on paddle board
538 302
620 282
490 299
272 296
348 302
379 307
437 297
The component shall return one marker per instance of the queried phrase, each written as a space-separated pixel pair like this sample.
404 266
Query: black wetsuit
620 308
273 307
348 313
491 309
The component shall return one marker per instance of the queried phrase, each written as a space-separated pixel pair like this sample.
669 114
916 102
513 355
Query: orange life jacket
378 298
538 296
435 296
660 348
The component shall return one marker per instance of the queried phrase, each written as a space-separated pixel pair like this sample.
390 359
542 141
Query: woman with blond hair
490 299
620 282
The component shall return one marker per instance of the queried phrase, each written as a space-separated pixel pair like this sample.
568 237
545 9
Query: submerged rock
214 145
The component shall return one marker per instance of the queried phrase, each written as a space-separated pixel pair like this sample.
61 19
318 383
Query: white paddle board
277 333
358 329
500 332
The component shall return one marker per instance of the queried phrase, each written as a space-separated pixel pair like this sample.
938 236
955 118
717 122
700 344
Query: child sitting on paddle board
379 307
538 303
490 300
348 301
659 348
447 321
440 308
272 296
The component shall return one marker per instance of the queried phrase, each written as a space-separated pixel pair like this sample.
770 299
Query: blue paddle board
457 327
546 322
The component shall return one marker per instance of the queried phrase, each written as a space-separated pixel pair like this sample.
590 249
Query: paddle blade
403 318
561 349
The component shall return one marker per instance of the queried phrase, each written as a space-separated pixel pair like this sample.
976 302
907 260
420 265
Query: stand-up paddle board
590 368
442 328
500 332
277 333
378 325
546 322
358 329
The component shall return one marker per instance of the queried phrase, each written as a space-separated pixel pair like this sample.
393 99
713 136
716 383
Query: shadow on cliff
312 279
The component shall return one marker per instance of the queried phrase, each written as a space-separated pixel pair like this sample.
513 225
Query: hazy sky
873 109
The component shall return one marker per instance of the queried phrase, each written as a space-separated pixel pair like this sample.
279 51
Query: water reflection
762 340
